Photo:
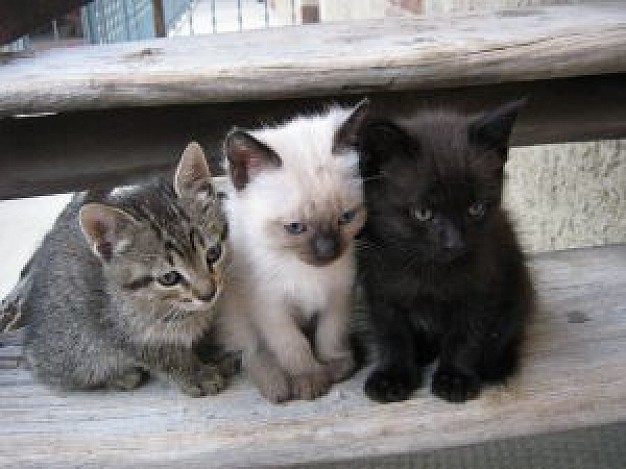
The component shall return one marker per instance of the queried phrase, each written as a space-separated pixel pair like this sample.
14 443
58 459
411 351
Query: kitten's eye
477 210
422 214
295 228
214 253
169 279
347 216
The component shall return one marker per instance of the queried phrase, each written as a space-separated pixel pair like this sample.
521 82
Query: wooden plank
394 54
573 376
76 150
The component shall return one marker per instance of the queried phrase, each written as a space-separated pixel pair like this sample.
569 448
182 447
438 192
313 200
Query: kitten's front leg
457 379
396 374
180 364
331 337
309 379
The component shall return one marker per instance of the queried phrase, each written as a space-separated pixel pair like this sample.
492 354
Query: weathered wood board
126 110
89 149
573 376
324 59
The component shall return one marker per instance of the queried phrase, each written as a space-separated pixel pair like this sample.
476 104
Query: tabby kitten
443 273
122 287
294 206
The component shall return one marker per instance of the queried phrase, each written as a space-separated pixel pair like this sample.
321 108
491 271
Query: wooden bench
127 109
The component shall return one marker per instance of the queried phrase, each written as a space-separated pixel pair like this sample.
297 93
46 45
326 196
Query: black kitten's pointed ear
247 157
193 177
348 133
379 142
492 130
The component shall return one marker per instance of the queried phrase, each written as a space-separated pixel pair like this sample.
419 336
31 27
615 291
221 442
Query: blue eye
347 216
169 279
295 228
422 214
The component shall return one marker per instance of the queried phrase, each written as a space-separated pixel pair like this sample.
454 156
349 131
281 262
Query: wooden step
119 111
573 378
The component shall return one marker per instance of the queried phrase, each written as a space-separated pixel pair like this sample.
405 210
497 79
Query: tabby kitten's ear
193 177
107 229
247 157
492 131
381 141
347 134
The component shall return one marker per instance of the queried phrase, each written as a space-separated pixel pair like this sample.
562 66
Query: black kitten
442 270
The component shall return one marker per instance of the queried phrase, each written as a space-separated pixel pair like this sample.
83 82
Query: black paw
454 386
389 385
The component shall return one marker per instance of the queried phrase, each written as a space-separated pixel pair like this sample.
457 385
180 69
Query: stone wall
568 195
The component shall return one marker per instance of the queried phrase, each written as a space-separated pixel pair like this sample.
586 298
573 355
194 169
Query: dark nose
326 247
451 238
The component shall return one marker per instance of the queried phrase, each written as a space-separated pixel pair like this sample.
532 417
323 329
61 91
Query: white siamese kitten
294 205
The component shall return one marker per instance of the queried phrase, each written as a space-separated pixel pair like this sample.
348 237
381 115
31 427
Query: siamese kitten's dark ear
107 229
193 177
347 134
247 157
492 130
379 142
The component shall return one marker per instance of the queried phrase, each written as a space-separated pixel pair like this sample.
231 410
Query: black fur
439 281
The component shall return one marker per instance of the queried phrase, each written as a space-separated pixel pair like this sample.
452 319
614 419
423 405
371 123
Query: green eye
214 253
347 216
295 228
422 214
169 279
477 210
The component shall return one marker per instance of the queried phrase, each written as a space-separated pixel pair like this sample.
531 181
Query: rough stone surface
568 195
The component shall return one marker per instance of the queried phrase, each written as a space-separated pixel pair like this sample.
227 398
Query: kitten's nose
452 239
206 294
326 247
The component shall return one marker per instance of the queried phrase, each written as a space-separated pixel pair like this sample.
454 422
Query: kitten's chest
311 290
308 293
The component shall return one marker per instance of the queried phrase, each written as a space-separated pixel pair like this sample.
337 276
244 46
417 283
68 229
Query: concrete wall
568 195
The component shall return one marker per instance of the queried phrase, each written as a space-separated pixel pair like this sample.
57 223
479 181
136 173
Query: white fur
271 290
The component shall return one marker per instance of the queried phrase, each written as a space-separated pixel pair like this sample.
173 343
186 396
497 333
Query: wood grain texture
573 376
393 54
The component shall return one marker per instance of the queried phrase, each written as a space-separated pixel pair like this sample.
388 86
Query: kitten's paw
207 382
229 364
130 379
310 385
339 369
274 385
385 385
453 386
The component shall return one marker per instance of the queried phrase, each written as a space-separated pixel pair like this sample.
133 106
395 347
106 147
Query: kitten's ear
193 177
380 141
492 131
107 229
347 134
247 157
